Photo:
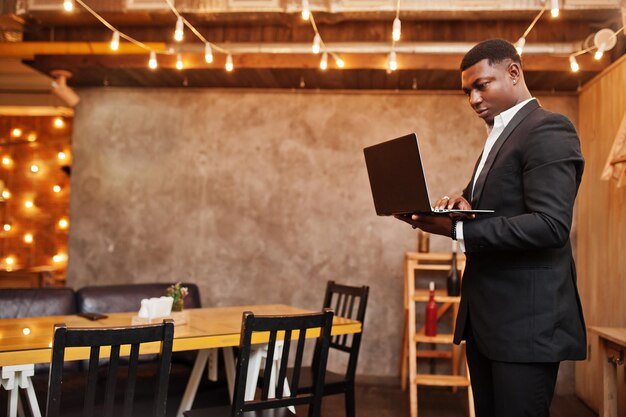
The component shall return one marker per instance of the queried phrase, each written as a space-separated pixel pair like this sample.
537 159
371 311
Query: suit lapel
516 120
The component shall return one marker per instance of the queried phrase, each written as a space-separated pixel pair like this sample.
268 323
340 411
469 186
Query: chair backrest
95 338
287 325
127 297
36 302
349 302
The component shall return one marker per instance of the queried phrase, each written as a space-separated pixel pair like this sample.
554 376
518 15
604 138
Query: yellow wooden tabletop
29 340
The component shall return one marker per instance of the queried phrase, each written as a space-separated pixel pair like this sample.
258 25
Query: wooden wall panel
601 225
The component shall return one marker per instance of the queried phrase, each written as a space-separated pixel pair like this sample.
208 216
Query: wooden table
26 341
612 352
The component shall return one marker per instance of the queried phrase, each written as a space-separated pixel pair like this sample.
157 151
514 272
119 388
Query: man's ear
514 70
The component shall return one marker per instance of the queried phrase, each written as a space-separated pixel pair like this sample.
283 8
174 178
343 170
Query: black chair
349 302
277 407
95 338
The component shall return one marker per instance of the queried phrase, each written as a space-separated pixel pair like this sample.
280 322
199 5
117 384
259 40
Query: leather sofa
36 302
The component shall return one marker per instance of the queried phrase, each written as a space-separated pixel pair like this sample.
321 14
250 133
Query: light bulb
6 161
115 41
34 168
28 238
178 33
63 223
306 12
68 5
16 133
598 55
179 62
58 122
317 42
573 63
324 61
26 331
33 136
7 227
339 62
9 260
208 53
519 45
6 194
229 63
61 155
397 29
28 204
56 188
554 8
59 257
152 63
392 64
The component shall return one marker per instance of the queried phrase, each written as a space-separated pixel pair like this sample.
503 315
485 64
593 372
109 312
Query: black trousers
506 389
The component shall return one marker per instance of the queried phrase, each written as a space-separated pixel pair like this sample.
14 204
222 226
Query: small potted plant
178 293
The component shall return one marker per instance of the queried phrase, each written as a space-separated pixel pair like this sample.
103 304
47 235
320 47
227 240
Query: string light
317 41
519 45
229 63
392 64
59 257
34 168
63 223
324 61
306 12
179 62
208 53
56 188
6 194
7 227
599 52
61 155
58 121
339 62
396 29
9 260
178 33
26 331
16 133
32 136
29 204
554 8
6 161
68 5
152 62
573 63
115 41
28 238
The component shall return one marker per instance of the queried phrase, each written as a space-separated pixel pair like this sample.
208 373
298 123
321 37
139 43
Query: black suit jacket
519 287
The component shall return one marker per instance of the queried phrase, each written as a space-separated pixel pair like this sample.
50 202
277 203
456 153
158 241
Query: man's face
489 88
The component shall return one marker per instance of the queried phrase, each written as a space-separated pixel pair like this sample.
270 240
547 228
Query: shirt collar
508 114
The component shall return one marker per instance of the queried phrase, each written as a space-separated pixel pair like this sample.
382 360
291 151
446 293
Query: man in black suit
520 313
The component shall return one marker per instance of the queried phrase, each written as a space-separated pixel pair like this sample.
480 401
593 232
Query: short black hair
495 50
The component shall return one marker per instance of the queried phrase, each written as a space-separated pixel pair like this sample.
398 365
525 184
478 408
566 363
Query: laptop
397 179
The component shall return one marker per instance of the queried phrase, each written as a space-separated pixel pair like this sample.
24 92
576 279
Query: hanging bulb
68 5
554 8
115 41
573 63
152 63
178 33
179 62
229 63
397 28
519 45
208 53
339 62
306 12
6 194
324 61
392 64
317 42
598 55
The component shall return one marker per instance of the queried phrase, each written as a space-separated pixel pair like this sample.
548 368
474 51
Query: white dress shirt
499 124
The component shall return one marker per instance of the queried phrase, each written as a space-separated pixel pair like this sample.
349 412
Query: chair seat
334 383
225 412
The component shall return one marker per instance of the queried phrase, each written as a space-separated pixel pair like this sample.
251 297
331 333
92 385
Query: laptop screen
397 177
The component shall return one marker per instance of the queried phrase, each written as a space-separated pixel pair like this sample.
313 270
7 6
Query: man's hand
455 202
435 224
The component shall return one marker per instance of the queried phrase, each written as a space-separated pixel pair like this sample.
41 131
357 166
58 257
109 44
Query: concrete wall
259 197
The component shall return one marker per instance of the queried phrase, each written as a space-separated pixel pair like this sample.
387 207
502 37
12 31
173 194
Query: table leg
212 365
194 381
14 377
229 367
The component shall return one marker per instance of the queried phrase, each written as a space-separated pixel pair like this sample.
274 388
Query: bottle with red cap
431 312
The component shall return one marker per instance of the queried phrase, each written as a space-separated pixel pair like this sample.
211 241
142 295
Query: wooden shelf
441 296
442 380
440 338
434 354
